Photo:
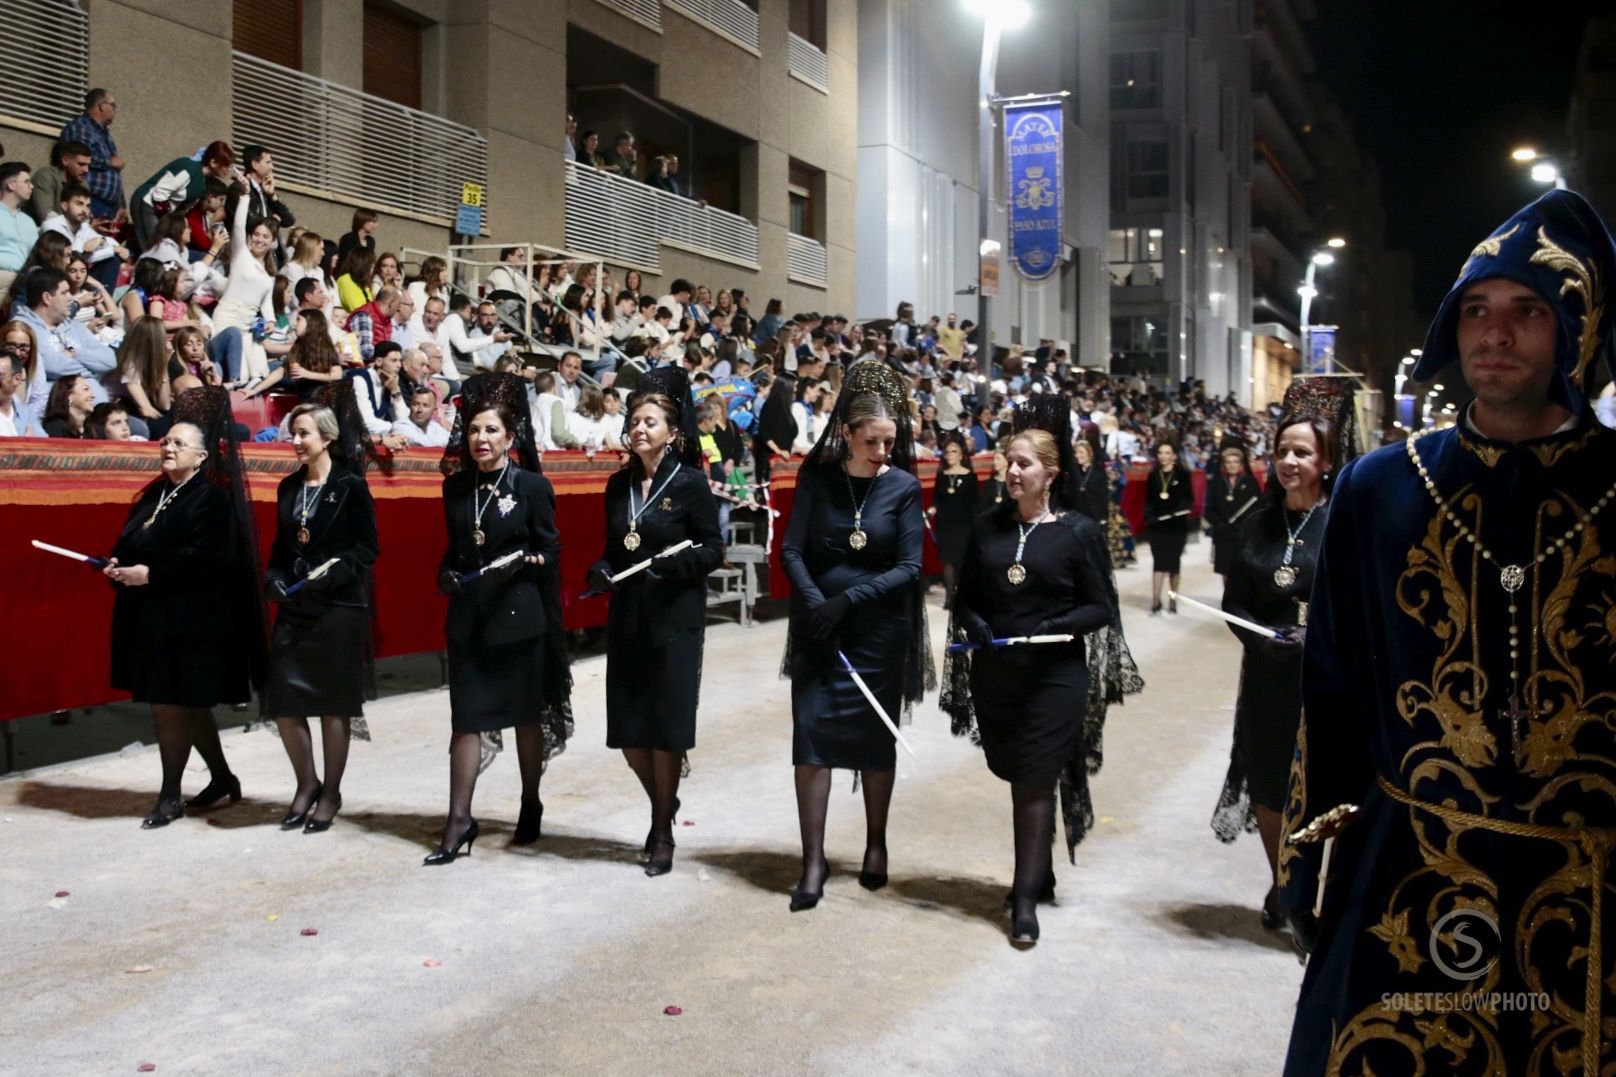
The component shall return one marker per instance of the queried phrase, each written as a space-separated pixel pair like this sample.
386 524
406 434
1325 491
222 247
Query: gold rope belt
1596 842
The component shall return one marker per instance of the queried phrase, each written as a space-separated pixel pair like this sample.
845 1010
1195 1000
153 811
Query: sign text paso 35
1035 194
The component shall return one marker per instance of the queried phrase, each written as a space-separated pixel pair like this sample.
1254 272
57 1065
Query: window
1138 346
805 185
1136 79
1135 255
807 21
1147 168
392 55
270 30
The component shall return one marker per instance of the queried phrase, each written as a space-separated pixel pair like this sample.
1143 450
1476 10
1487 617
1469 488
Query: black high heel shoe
659 864
1024 932
1155 610
294 820
650 835
529 825
803 900
320 826
162 813
1046 893
1172 605
873 880
228 788
440 855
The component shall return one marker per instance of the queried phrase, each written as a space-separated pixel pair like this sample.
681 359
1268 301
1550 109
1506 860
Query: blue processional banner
1032 152
1321 350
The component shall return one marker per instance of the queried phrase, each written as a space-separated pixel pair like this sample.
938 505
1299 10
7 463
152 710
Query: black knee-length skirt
317 662
496 687
833 724
1167 550
1029 712
651 693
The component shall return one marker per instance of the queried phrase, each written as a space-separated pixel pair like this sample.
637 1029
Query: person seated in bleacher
421 427
17 419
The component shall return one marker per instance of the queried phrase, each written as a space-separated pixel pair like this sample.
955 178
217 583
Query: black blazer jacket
508 604
675 599
343 525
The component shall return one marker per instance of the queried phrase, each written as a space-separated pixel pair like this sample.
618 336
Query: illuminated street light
1322 258
1524 154
1335 243
1546 173
1008 13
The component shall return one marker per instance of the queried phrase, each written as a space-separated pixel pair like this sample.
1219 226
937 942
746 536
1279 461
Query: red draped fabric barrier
54 622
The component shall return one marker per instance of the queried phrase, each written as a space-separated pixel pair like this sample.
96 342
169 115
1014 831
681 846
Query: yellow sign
471 194
988 279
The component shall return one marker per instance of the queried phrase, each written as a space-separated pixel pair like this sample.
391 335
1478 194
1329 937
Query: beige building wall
500 66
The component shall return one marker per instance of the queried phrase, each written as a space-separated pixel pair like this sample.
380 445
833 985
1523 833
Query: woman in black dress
320 652
1230 495
1091 489
187 620
852 552
995 491
507 649
658 619
1270 577
1169 500
953 508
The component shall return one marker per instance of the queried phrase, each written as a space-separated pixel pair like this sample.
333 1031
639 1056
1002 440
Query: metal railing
645 12
628 222
731 18
361 148
806 261
47 62
808 62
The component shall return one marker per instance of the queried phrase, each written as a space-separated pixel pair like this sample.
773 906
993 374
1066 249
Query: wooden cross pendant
1516 714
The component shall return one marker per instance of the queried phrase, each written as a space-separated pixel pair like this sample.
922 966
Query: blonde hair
325 420
1043 446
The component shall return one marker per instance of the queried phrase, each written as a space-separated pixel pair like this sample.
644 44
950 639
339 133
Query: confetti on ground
432 963
1108 818
138 968
702 875
272 917
688 822
64 893
213 822
146 1067
309 931
672 1011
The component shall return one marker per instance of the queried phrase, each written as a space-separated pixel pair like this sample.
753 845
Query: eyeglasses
177 445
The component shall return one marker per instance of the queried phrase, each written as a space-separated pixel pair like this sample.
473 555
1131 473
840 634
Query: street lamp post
1309 291
1544 170
996 16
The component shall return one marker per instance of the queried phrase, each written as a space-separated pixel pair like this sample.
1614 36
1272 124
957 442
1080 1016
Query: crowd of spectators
112 308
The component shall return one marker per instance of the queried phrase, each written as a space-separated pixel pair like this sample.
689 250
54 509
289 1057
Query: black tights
813 802
950 581
465 754
1033 809
658 771
335 733
179 729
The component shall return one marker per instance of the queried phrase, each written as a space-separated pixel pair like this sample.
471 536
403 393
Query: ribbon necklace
164 498
1285 574
477 535
858 539
631 541
1017 572
306 508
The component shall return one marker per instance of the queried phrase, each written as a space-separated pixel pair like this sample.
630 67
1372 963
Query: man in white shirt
568 387
422 427
485 334
511 274
454 338
72 220
64 346
16 418
948 405
435 332
678 295
379 392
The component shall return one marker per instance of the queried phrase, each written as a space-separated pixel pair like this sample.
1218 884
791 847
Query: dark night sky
1440 91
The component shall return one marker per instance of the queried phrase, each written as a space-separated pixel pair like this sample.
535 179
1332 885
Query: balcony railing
628 222
47 63
808 62
645 12
806 261
731 18
361 149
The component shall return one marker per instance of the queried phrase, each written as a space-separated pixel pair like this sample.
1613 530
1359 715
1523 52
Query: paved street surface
186 947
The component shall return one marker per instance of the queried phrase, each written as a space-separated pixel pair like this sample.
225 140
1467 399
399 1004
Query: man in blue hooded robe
1456 767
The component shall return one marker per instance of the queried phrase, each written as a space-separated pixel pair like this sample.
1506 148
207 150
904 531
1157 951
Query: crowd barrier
54 621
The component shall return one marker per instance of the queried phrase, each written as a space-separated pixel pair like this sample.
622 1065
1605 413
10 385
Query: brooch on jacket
506 504
667 504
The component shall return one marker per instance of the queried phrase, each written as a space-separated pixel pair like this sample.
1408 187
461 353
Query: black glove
824 618
300 567
275 590
600 577
976 630
1290 639
449 582
509 568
